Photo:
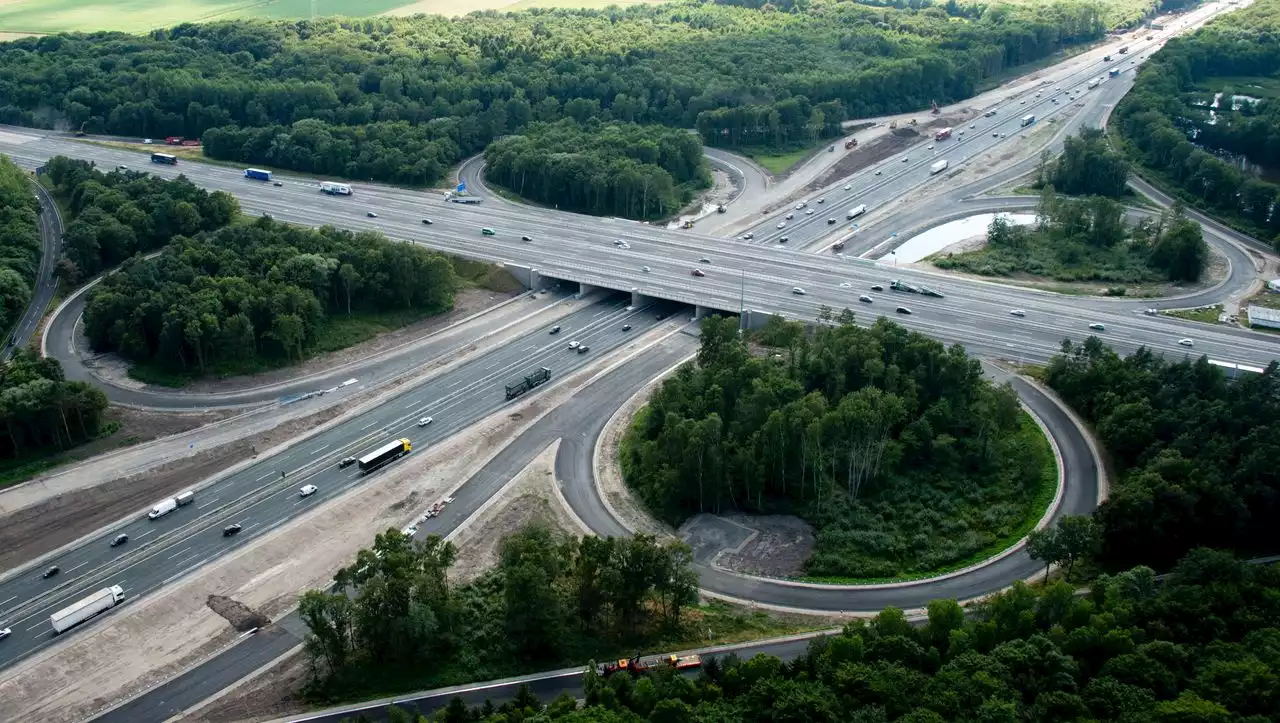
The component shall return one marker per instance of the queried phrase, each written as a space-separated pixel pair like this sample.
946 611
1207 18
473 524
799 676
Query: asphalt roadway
50 249
259 498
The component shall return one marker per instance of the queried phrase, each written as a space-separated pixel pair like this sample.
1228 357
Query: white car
575 344
790 216
409 531
1186 342
846 285
847 186
864 299
877 171
801 205
645 269
1097 327
1018 312
307 490
425 421
809 212
782 224
930 146
972 126
797 291
748 236
4 633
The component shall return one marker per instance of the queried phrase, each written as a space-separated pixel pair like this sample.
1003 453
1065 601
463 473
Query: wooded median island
898 451
225 294
404 99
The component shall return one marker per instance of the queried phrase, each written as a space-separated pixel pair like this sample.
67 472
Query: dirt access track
151 640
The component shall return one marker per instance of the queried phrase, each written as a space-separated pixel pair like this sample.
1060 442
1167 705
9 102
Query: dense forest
1088 166
1170 128
604 169
551 600
1200 646
1194 455
19 243
119 214
401 99
1087 239
898 451
41 412
260 291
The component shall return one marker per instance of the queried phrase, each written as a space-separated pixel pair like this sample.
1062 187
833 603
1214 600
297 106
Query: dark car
277 184
903 310
370 214
119 540
51 572
877 287
626 327
346 462
831 222
426 222
526 238
555 329
584 349
230 530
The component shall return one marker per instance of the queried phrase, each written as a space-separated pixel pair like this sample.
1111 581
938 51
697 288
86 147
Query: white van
185 498
162 509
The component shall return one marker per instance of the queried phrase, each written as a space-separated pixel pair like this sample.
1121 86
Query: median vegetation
20 245
604 169
1203 118
895 448
396 622
403 99
1088 240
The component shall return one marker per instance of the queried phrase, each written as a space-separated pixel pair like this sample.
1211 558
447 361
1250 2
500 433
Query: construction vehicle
686 224
529 382
640 666
721 209
936 110
942 134
853 142
837 246
893 124
80 130
896 285
1123 50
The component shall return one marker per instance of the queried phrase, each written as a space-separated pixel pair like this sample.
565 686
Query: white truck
164 507
80 611
1095 83
335 189
856 211
1028 120
937 168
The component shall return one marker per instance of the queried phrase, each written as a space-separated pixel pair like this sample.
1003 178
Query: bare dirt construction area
36 530
532 496
779 547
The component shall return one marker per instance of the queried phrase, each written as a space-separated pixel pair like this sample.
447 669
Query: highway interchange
752 276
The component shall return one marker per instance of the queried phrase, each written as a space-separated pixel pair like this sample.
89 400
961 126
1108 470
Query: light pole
742 301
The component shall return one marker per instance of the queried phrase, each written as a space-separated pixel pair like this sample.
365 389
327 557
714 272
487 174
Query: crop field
28 17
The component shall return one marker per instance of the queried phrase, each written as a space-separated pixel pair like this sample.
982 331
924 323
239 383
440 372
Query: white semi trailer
78 612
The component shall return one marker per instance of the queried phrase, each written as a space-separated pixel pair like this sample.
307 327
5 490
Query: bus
164 158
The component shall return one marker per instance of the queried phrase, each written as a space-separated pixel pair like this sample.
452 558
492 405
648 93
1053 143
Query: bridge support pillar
525 275
702 311
756 319
638 299
584 289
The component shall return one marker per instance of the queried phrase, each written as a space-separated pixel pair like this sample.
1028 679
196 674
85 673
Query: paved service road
46 284
259 498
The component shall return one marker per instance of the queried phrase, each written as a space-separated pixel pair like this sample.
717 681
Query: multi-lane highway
259 497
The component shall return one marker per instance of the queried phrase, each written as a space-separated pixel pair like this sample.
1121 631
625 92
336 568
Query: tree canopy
401 99
1176 124
43 413
895 447
605 169
1088 166
395 617
1202 645
19 243
1194 454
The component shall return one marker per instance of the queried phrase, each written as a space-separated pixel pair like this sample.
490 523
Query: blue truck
257 175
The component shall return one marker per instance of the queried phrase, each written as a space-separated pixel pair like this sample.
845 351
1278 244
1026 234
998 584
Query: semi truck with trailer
80 611
942 134
257 174
856 211
335 189
640 666
385 454
938 167
530 381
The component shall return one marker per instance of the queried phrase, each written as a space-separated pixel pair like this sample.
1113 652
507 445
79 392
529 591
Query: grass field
25 17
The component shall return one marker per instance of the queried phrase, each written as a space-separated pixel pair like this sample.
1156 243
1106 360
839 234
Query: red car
698 272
